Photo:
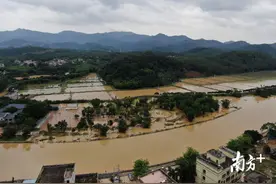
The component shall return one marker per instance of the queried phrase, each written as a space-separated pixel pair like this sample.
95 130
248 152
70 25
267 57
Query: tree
82 125
50 130
141 167
110 123
187 166
11 109
146 122
77 116
36 110
255 135
268 126
103 130
190 115
122 127
226 103
61 126
96 103
29 122
266 149
9 132
242 144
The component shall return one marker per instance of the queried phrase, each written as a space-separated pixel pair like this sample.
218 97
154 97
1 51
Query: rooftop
54 173
18 106
224 148
228 162
256 177
158 176
216 153
87 178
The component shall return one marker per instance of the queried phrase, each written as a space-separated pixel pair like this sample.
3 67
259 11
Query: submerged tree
122 127
225 103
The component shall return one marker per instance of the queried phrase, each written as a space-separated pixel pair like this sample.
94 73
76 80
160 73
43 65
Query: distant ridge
120 41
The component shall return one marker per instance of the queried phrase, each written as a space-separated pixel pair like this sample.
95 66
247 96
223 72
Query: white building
214 167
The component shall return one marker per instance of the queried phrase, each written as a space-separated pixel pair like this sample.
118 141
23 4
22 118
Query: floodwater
64 114
84 89
52 97
193 87
91 95
25 161
133 93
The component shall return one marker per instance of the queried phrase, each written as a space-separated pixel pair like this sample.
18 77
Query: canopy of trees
142 70
186 170
141 167
192 104
242 144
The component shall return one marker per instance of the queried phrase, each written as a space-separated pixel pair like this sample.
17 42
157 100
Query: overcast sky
250 20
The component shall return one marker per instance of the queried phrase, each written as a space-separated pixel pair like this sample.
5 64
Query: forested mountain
138 70
121 41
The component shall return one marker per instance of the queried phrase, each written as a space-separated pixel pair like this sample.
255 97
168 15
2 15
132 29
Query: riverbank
105 155
124 136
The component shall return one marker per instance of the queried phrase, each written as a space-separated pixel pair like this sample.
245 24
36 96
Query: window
67 181
228 172
223 176
218 181
203 177
204 171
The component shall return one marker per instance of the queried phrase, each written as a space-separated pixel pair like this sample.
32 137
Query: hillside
121 41
131 71
142 70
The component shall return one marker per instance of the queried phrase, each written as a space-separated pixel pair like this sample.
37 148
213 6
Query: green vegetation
255 135
3 83
11 109
226 103
142 70
192 104
127 70
61 126
265 92
186 170
141 167
25 121
242 144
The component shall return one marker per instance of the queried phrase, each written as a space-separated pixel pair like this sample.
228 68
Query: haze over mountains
120 41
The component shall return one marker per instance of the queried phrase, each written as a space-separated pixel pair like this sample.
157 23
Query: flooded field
84 89
41 91
64 114
157 148
193 87
172 89
32 77
133 93
217 87
91 95
55 97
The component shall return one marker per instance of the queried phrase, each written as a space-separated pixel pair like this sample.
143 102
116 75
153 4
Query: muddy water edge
26 160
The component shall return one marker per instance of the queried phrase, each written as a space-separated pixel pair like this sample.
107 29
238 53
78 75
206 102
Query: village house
29 62
157 176
256 177
214 167
64 173
57 62
2 65
8 117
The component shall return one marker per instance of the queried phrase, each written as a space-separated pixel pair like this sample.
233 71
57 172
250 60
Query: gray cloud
250 20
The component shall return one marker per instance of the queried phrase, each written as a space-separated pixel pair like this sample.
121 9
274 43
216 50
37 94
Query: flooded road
25 161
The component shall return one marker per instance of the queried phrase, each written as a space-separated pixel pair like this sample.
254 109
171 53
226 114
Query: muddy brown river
25 161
